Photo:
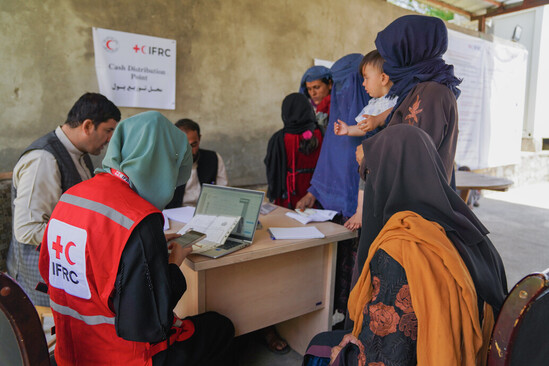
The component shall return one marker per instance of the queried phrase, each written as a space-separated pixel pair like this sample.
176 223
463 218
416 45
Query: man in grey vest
47 168
208 167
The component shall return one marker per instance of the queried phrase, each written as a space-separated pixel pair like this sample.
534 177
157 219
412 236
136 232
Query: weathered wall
236 60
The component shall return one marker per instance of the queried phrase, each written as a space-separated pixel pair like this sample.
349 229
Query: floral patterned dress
389 330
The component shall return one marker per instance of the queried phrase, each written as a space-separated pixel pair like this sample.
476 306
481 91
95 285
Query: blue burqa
312 74
335 181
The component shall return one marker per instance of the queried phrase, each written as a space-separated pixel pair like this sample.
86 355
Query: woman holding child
412 47
426 87
427 269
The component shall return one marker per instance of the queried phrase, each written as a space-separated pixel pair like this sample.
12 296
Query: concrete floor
518 221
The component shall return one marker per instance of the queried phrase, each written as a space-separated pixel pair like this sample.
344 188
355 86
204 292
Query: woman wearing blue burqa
335 180
316 84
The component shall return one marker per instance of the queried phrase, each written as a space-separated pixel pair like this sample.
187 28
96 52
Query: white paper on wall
491 104
135 70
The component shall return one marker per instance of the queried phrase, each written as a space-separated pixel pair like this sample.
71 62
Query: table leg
464 194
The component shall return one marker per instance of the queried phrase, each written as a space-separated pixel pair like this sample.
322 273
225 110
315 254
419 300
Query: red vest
79 260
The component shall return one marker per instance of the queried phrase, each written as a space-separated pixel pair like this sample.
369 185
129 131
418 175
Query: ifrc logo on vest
67 249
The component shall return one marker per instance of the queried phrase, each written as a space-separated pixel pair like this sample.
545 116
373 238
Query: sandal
272 340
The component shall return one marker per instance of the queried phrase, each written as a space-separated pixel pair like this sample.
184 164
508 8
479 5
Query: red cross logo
136 48
56 245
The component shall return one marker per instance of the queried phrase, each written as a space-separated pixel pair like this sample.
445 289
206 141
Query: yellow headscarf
442 291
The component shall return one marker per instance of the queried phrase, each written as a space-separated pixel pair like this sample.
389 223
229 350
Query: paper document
309 232
216 228
311 214
181 214
166 222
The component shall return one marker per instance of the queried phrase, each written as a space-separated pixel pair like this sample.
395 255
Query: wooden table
465 181
284 282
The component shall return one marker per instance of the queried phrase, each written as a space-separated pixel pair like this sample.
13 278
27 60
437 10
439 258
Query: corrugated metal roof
486 8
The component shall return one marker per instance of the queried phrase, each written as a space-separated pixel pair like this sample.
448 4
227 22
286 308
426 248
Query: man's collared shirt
193 187
37 178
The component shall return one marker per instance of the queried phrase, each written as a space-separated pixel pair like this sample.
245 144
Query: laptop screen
230 201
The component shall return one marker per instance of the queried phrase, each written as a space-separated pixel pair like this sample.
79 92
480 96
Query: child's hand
340 128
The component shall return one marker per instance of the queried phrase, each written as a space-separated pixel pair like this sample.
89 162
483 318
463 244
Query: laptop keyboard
230 244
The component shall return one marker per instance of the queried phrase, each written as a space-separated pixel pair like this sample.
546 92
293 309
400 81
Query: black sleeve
177 200
147 288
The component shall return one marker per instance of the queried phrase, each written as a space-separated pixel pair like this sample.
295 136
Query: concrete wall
535 37
236 60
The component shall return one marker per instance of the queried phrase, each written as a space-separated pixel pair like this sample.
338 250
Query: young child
372 117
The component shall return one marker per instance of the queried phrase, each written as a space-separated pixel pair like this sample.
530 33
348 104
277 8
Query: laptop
230 201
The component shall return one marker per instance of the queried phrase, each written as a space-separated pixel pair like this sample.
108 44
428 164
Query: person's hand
171 236
370 123
341 128
334 353
348 338
359 153
355 222
306 202
178 254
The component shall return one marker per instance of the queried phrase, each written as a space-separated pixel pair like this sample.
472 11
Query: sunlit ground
535 195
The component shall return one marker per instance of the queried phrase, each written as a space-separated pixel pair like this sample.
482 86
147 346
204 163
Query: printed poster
492 101
135 70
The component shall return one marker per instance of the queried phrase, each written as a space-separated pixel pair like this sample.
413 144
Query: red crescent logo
107 44
69 244
143 50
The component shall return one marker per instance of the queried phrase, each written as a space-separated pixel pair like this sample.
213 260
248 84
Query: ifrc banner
134 70
67 248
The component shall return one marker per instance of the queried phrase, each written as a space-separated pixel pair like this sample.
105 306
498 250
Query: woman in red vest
104 256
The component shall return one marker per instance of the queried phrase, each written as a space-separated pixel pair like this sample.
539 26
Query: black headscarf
412 47
298 116
403 171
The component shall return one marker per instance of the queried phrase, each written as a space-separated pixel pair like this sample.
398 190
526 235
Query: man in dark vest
208 168
47 168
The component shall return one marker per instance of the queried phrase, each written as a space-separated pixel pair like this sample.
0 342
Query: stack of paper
311 214
216 228
309 232
181 214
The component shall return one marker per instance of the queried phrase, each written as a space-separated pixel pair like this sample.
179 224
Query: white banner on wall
491 104
134 70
